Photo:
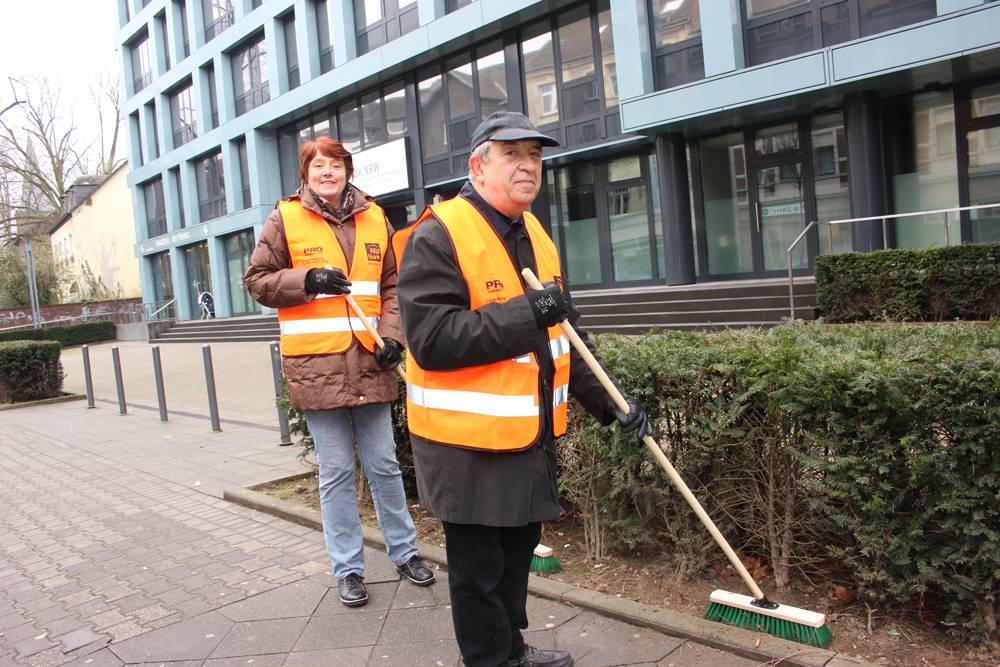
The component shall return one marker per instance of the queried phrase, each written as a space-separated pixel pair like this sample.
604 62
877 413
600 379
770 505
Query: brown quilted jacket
325 381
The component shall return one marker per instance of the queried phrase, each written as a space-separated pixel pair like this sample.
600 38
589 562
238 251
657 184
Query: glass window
608 70
373 126
238 248
726 205
142 67
395 113
880 15
628 219
830 182
460 93
371 12
349 123
380 21
163 284
985 100
452 5
213 101
250 77
433 138
211 187
579 208
155 127
780 39
178 188
183 119
288 159
185 36
835 23
292 50
323 37
538 61
218 15
922 164
241 152
776 139
156 215
675 21
654 197
576 48
198 273
757 8
492 75
161 29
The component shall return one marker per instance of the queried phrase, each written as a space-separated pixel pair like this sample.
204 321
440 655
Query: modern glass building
699 138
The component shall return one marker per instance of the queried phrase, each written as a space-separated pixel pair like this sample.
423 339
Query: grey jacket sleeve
443 333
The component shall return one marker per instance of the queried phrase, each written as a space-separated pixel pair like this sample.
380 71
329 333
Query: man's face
511 176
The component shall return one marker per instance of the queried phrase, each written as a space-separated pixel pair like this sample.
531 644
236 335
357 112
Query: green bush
67 334
29 370
960 282
861 454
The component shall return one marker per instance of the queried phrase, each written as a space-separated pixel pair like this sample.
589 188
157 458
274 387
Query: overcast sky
71 42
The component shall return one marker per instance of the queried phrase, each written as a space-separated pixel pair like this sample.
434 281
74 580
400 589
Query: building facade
699 138
96 238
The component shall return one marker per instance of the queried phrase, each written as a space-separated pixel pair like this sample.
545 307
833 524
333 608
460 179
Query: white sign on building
382 169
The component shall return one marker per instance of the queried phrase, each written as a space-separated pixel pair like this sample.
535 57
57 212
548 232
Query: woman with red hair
327 240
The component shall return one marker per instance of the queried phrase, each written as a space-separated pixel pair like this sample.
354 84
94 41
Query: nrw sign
382 169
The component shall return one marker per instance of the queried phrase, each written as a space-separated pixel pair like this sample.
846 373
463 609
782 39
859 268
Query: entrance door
783 201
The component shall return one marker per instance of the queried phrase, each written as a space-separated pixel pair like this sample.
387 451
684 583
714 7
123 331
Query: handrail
885 236
155 312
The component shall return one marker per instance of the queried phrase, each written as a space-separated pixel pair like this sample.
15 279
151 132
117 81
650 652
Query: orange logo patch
374 252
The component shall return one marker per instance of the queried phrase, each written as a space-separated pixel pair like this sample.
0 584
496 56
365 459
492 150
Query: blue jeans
335 433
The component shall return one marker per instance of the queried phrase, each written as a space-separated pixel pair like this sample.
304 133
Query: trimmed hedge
68 334
960 282
863 455
29 370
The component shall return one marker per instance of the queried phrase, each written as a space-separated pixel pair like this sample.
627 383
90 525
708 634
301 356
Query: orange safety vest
326 325
495 406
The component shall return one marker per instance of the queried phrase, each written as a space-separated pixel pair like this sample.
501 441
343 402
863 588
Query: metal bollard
161 398
119 385
213 403
87 379
286 435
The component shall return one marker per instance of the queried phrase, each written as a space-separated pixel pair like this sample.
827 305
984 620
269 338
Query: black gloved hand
327 281
636 419
549 305
390 355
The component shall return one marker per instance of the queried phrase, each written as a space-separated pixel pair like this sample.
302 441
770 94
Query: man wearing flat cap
489 377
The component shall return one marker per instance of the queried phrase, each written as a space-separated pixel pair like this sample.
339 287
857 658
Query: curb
43 401
683 626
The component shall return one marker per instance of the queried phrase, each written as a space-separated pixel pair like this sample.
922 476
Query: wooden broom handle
368 325
651 445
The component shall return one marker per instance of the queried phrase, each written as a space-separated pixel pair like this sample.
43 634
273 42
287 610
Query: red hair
326 146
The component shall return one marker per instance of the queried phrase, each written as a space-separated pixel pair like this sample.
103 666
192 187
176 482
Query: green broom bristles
543 561
796 632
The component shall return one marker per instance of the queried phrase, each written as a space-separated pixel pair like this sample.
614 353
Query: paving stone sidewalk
116 548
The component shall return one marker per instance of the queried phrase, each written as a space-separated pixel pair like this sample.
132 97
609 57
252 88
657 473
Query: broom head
543 561
797 625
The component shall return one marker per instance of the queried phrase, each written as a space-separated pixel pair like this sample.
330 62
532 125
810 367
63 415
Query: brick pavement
115 548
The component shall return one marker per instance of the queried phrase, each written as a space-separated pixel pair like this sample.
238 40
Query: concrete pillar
231 176
262 161
633 54
178 276
306 39
276 62
189 193
196 23
721 36
866 168
671 162
170 201
343 34
175 32
202 99
224 88
429 10
158 47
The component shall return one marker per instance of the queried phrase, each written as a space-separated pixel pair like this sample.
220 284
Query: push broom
756 613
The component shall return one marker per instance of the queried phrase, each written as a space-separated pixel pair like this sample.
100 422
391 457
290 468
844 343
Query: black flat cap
509 126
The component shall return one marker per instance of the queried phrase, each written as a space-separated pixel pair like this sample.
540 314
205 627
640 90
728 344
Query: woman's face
327 177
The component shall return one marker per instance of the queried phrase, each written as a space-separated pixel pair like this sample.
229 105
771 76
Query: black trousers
488 580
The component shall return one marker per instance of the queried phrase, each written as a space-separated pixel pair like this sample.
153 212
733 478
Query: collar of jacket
500 222
311 202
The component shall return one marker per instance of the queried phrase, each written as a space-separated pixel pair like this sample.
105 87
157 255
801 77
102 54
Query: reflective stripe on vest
326 325
495 406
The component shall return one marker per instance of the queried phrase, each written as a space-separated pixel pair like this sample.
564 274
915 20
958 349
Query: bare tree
42 152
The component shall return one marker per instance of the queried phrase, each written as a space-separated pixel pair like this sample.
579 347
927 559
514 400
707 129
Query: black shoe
536 657
415 570
352 590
